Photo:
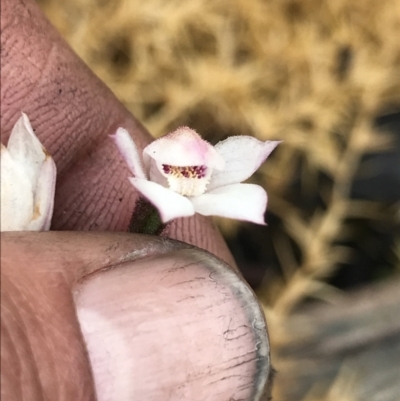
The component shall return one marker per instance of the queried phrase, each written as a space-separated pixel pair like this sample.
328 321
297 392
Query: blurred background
324 77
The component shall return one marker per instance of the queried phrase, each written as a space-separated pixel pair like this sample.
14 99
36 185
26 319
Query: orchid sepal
28 177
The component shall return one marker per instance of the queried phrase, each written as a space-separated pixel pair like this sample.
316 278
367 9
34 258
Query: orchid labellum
28 176
181 174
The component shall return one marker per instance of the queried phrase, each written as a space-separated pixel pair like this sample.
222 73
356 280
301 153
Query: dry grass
313 73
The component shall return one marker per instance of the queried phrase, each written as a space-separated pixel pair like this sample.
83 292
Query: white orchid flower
28 176
181 174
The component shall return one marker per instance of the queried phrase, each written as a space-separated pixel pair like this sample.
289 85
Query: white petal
170 204
243 155
155 174
129 152
183 147
26 149
238 201
44 197
16 194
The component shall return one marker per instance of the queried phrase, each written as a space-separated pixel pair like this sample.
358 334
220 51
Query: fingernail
180 326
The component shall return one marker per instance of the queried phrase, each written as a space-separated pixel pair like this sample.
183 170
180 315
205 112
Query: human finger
149 318
73 114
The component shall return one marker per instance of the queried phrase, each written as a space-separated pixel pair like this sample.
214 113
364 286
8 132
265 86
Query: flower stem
146 219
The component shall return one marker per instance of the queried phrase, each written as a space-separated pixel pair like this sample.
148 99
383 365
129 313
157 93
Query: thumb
156 318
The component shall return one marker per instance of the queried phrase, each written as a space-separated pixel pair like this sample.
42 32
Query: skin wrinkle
104 205
32 324
68 66
9 355
19 332
48 339
42 70
27 72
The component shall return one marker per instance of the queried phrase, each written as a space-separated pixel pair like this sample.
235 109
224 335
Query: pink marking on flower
185 172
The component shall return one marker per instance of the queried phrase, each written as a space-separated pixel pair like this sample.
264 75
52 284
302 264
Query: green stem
146 219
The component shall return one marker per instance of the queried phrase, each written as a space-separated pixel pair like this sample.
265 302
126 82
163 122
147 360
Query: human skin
48 351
